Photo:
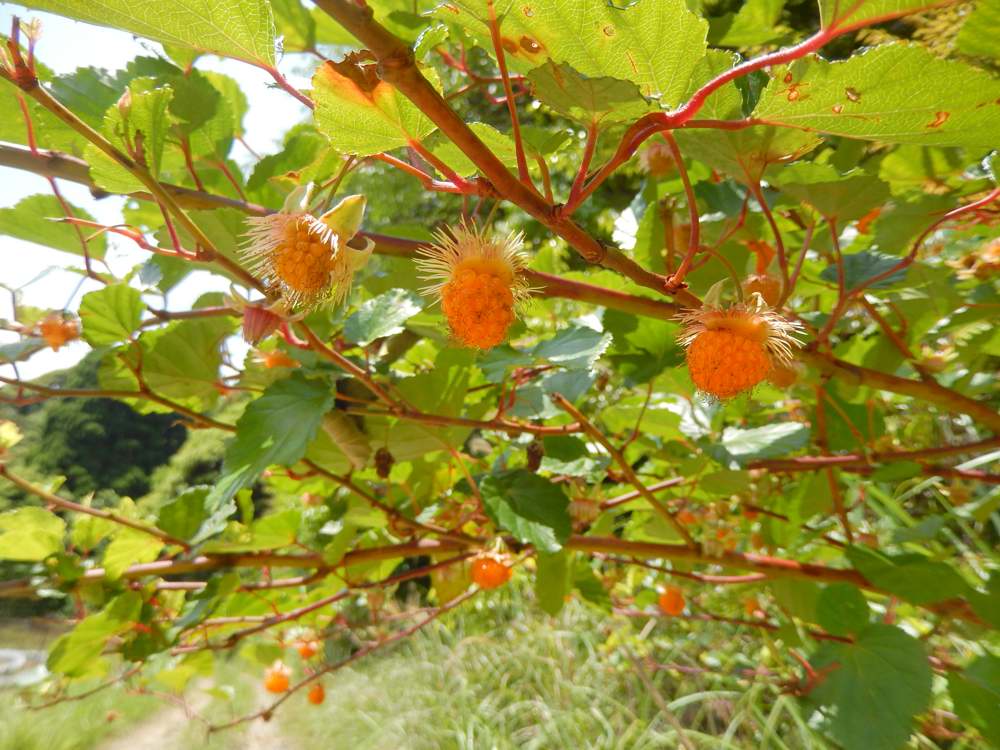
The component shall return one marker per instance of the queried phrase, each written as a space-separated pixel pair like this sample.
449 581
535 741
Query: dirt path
166 730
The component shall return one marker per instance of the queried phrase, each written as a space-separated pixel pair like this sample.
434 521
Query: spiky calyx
479 281
308 258
58 331
730 350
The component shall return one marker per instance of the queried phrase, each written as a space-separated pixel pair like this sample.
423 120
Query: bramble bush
686 310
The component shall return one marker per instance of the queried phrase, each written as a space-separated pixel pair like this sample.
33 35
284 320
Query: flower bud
258 323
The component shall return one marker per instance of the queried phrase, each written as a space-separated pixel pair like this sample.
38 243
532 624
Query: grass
496 675
502 677
78 725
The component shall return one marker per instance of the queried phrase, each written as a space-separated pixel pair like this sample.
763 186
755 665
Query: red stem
522 162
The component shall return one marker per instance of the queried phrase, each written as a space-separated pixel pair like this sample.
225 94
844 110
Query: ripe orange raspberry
671 601
479 280
308 258
277 678
730 350
57 331
317 694
479 307
307 647
752 607
489 571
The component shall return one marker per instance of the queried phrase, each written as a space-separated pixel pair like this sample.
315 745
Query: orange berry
277 678
766 286
58 331
725 364
489 572
479 307
316 694
751 606
303 261
307 648
671 601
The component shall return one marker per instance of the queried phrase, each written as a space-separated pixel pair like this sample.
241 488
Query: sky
33 269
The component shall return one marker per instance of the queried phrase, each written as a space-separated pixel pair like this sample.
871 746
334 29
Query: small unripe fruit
671 601
317 694
277 678
490 572
535 453
383 462
782 376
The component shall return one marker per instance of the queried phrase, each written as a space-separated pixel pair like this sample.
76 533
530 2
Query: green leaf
533 509
835 196
842 609
187 515
30 534
382 316
349 439
78 652
243 29
743 154
855 14
274 429
728 482
755 23
552 580
361 114
37 218
128 547
876 684
597 38
978 36
578 97
975 693
573 347
294 24
501 144
915 578
183 361
590 587
111 314
859 267
896 93
769 441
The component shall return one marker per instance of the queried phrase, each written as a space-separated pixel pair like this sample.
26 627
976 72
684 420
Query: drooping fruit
307 648
479 280
490 571
732 349
671 601
317 694
277 678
